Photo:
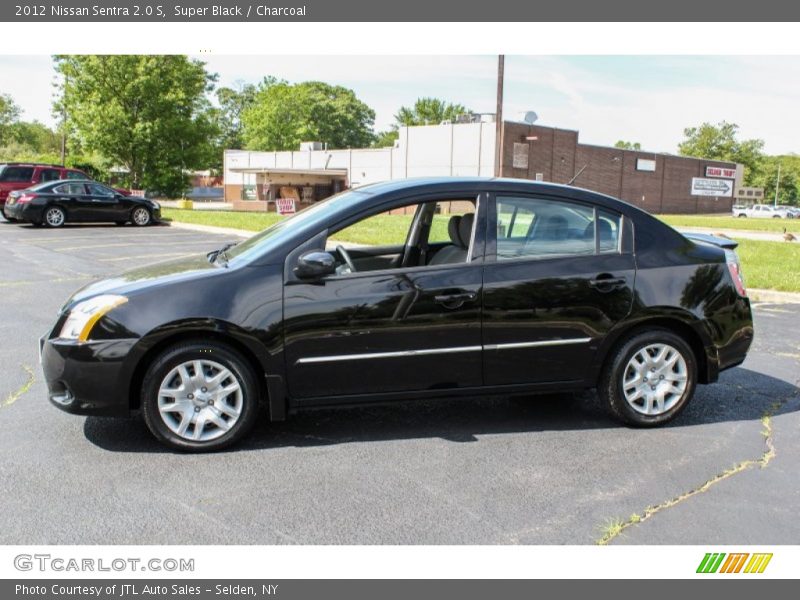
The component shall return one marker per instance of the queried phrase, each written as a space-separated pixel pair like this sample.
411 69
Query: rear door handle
607 282
455 300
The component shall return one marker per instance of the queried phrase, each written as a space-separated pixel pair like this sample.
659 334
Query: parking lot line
146 257
209 243
116 236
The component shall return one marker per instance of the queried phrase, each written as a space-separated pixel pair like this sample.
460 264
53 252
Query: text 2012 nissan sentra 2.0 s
477 286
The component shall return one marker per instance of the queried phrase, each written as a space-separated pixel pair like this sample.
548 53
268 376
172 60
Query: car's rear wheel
54 216
140 216
199 397
650 378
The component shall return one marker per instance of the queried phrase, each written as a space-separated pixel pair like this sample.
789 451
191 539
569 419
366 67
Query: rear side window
72 189
49 175
542 228
76 175
17 174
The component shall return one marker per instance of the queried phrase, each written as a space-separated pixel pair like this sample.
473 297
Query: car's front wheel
650 378
200 397
140 216
55 216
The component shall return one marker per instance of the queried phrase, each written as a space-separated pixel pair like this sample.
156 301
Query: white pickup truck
760 211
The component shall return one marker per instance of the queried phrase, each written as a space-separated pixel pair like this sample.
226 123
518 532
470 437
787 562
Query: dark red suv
18 176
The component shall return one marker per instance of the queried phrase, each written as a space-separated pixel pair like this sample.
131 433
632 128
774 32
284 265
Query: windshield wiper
220 253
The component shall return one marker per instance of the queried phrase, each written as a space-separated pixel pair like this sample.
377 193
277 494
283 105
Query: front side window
541 228
100 190
425 234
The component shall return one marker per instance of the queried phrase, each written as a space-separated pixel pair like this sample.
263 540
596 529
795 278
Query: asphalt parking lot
548 470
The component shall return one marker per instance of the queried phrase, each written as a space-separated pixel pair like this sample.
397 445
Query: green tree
719 142
623 145
386 139
767 177
232 104
282 115
36 136
9 113
148 114
429 111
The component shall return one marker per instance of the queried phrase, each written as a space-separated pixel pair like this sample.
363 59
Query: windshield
306 220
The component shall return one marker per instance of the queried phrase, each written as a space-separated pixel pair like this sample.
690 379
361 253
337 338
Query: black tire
141 222
742 216
219 353
50 217
611 383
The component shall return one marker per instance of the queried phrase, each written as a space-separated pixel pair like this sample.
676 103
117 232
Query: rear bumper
23 212
84 378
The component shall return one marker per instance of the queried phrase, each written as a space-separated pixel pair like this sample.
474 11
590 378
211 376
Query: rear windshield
12 173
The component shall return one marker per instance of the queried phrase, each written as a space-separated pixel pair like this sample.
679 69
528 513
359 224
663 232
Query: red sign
721 172
285 206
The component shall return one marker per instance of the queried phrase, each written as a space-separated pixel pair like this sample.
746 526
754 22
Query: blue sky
646 99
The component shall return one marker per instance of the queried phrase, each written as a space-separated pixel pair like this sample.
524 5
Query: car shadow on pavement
740 395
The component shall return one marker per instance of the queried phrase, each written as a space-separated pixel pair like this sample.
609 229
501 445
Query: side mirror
312 265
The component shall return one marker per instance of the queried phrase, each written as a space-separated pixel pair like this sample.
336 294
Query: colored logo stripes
735 562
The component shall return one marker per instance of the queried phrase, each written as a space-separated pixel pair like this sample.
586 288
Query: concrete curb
774 296
212 229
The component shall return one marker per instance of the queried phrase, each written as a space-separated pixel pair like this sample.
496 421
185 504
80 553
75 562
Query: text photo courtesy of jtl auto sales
291 307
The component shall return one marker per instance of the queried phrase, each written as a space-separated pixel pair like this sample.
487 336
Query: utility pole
777 185
64 123
498 140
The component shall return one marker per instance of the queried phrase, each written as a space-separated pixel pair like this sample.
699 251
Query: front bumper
86 378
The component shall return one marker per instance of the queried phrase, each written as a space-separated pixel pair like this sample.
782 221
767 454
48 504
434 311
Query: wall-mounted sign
720 172
645 164
712 187
520 156
285 206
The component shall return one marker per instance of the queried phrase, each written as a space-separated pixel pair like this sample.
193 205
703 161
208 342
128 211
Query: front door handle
455 300
606 282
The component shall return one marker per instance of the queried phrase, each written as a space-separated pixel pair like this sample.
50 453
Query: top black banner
406 10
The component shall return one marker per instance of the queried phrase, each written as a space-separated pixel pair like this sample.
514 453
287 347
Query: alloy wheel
54 217
141 216
200 400
655 379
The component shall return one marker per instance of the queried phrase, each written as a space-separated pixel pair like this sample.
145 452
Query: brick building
659 183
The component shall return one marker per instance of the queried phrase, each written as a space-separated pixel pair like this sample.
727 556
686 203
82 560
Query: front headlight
85 314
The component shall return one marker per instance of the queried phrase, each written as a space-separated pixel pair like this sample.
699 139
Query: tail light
735 269
24 198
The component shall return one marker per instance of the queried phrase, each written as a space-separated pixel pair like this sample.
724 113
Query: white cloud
602 98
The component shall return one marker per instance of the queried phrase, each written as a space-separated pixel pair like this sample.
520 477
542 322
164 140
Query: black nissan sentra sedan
478 286
74 201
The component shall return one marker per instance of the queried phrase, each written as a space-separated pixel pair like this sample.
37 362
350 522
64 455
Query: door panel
559 307
103 204
392 331
560 276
